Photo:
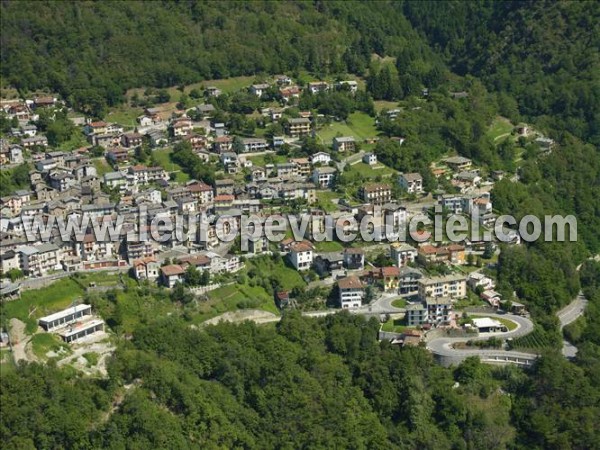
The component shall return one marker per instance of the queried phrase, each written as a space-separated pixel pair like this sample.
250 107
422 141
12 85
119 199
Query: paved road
572 311
568 315
441 347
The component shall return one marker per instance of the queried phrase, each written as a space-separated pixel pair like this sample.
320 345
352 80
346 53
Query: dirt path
254 315
20 342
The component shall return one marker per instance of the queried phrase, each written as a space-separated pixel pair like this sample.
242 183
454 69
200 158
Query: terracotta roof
224 198
390 271
173 269
144 261
428 249
303 246
350 283
199 187
196 260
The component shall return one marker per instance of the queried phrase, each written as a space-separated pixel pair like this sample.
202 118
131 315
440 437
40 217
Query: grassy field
371 172
163 158
359 125
228 85
395 325
324 199
399 303
37 303
124 115
259 160
43 343
384 104
77 140
326 246
500 128
102 166
249 292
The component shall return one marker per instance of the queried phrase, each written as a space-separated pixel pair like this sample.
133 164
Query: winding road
442 347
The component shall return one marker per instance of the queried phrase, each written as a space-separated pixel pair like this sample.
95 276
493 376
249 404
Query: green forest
305 383
328 383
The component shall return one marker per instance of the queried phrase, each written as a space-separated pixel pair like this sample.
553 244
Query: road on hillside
572 311
442 347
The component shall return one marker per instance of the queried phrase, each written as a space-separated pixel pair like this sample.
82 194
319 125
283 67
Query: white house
323 176
301 255
171 274
351 292
411 182
403 254
259 89
320 158
370 159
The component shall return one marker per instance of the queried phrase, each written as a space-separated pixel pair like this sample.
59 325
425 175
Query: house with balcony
351 292
411 182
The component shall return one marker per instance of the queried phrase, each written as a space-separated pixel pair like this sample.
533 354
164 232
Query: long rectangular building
72 334
65 317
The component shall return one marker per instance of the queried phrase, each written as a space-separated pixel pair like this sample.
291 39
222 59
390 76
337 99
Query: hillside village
215 163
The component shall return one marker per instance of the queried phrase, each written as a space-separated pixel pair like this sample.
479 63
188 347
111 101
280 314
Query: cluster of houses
68 184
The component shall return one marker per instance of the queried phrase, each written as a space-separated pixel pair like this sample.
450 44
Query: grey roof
344 139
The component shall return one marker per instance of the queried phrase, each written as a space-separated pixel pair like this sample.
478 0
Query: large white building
351 292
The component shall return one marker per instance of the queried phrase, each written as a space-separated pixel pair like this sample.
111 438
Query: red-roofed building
202 192
171 274
146 268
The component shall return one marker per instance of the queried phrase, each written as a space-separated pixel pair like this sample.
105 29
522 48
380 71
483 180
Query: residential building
41 141
146 268
408 284
411 182
223 144
303 166
439 310
376 193
403 254
144 175
131 140
225 186
38 260
344 144
286 170
320 158
477 279
259 89
351 85
299 127
454 286
354 258
301 255
318 86
370 159
171 274
182 127
351 292
458 163
212 91
416 314
324 177
202 192
252 145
